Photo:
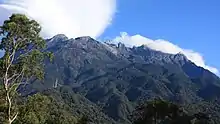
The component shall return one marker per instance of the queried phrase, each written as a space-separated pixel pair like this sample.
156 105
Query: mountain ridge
116 78
61 37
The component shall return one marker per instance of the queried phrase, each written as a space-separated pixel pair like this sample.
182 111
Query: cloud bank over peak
73 18
164 46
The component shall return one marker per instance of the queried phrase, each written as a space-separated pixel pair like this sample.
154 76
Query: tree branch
14 117
13 76
19 75
9 107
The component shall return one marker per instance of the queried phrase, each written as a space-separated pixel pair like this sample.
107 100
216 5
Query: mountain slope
117 78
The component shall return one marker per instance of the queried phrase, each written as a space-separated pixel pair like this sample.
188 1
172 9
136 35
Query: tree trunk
11 117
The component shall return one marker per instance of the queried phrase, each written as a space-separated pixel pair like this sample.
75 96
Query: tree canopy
23 57
163 112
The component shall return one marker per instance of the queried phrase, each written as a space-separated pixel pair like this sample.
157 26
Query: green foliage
23 46
162 112
41 109
79 106
3 106
23 58
83 120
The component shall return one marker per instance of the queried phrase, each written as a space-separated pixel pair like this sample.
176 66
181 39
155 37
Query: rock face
116 77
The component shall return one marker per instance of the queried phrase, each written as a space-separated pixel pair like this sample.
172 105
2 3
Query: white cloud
164 46
73 18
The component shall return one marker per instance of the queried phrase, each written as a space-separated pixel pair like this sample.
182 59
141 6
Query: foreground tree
23 58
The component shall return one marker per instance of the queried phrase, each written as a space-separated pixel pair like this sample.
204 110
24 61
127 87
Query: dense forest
61 107
80 81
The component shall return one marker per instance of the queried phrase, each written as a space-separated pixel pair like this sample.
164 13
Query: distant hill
116 78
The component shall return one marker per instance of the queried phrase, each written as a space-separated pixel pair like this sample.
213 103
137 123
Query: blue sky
191 24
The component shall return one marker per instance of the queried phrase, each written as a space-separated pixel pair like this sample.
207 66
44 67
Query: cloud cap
73 18
165 47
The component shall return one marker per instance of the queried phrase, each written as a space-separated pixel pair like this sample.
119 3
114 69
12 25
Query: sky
190 24
171 26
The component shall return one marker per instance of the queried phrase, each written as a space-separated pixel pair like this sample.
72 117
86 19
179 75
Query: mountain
116 78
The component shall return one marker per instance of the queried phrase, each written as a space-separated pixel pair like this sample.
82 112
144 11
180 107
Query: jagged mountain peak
56 40
59 37
180 57
146 53
85 38
63 37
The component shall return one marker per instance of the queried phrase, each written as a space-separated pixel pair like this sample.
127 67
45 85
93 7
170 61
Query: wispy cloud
70 17
164 46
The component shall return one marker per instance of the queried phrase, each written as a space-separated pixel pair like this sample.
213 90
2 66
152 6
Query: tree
162 112
154 112
23 58
83 120
35 110
42 109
